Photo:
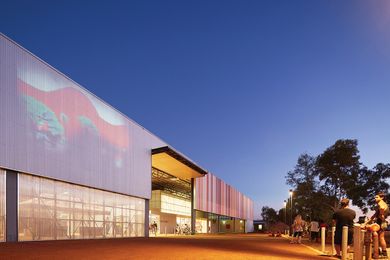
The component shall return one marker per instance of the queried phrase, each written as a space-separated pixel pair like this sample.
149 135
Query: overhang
170 161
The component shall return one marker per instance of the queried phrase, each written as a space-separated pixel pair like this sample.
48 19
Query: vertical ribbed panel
215 196
52 127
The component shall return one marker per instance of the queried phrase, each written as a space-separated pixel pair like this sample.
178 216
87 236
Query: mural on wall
53 127
63 117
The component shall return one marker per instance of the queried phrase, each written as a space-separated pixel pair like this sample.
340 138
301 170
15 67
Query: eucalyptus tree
269 215
338 169
370 182
305 185
319 182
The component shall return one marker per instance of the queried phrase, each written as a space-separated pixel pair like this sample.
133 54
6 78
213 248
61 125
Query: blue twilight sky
241 87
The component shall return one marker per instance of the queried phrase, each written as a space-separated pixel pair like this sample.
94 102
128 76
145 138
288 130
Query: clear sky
241 87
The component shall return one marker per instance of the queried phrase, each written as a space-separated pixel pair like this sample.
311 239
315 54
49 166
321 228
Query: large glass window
50 210
172 204
2 205
169 203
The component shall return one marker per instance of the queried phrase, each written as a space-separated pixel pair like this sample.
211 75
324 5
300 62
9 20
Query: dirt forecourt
234 246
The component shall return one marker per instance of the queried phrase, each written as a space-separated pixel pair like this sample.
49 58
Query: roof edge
181 158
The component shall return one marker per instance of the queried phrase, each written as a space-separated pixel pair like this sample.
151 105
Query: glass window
171 204
50 210
76 229
99 229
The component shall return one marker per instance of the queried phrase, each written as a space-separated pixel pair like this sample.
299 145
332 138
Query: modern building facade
73 167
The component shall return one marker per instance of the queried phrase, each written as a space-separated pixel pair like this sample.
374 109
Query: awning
168 160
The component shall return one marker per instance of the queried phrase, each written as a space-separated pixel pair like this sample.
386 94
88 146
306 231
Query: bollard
368 245
375 242
344 243
333 248
357 243
362 237
323 239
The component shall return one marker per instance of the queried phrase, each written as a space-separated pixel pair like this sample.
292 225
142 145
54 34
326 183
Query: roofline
178 156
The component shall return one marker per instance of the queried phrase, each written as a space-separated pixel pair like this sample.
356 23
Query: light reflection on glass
51 210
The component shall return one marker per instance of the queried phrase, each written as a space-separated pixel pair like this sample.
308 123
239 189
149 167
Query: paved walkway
237 246
315 246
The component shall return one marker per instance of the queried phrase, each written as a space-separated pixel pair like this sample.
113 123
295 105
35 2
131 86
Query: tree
302 179
304 171
306 188
338 169
282 214
320 182
370 182
269 215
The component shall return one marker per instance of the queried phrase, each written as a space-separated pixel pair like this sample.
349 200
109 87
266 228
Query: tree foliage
319 182
269 215
307 190
338 169
370 182
304 171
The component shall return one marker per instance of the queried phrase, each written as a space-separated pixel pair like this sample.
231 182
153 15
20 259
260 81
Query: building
259 225
73 167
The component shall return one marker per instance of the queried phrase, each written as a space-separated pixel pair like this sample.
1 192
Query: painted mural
62 116
53 127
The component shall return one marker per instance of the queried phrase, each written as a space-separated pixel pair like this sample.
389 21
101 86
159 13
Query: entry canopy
170 161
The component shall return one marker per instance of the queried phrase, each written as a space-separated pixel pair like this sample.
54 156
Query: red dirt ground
235 246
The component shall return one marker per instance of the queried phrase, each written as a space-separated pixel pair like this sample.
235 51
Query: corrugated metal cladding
214 195
52 127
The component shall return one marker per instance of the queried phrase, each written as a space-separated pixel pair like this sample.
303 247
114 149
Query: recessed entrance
171 207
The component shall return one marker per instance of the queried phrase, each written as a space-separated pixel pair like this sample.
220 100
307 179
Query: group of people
183 229
300 226
345 217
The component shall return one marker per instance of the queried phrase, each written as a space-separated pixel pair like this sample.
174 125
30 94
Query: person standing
298 226
154 228
379 217
343 217
314 229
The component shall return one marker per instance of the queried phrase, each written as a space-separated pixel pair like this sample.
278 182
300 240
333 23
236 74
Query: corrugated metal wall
52 127
214 195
